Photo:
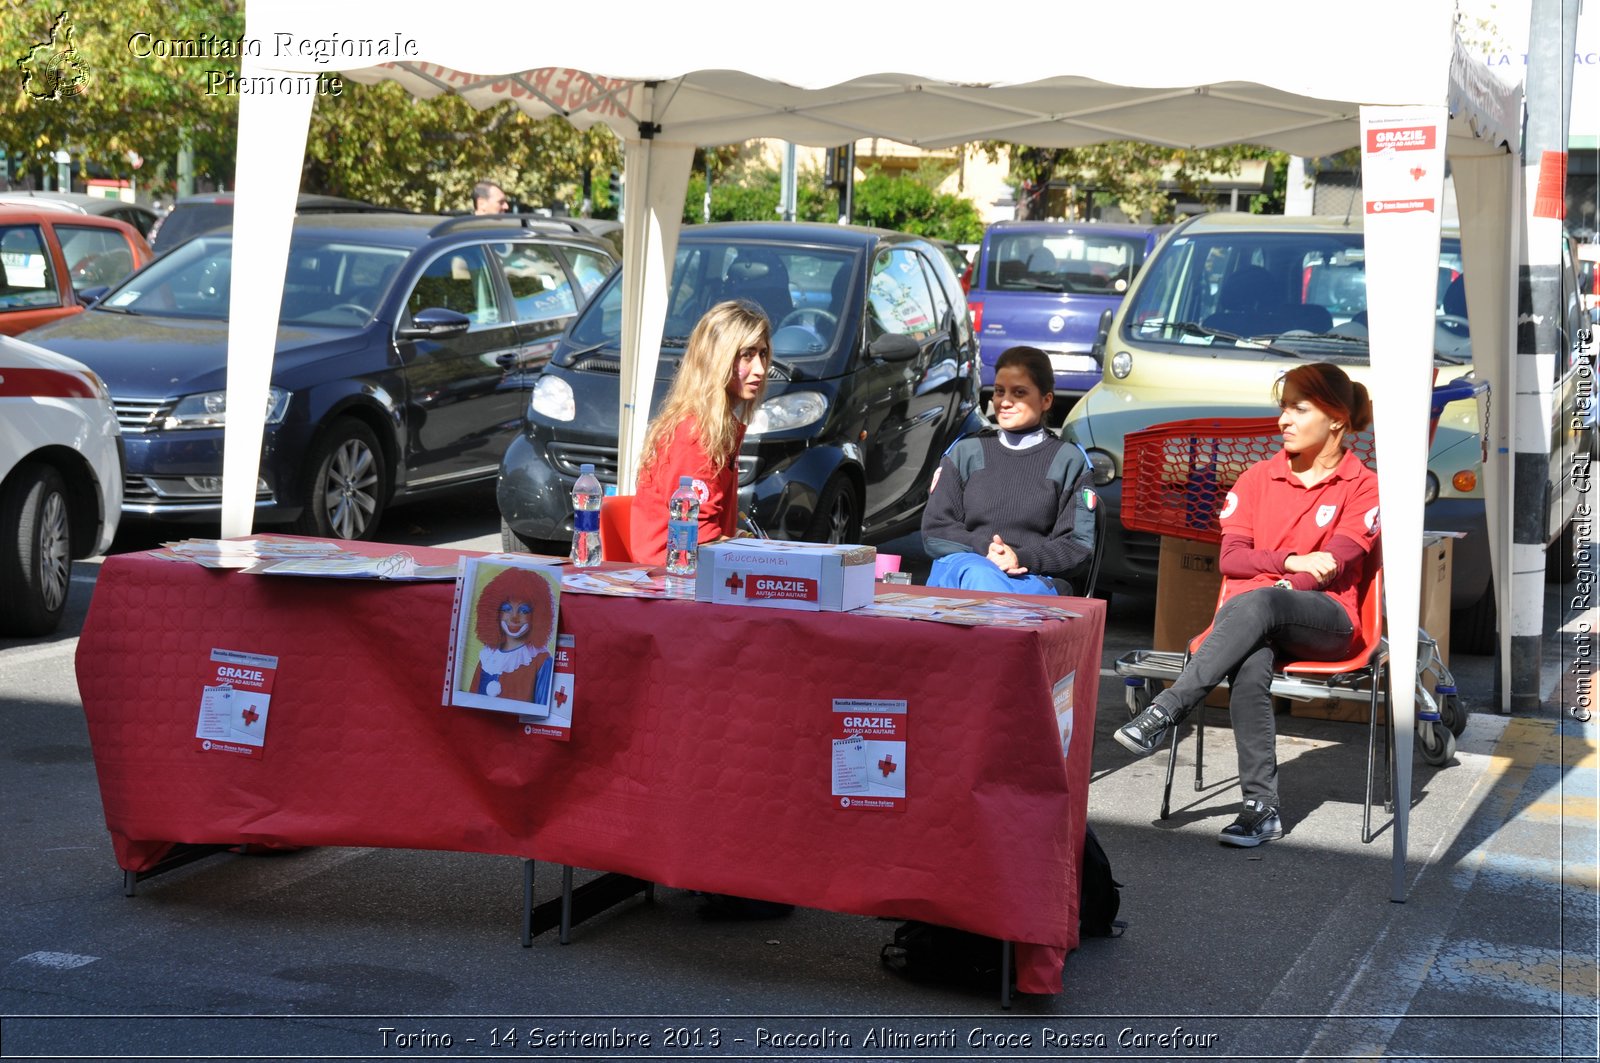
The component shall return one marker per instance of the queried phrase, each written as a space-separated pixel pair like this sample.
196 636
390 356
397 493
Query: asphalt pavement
1289 951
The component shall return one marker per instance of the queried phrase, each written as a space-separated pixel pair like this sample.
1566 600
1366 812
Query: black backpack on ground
925 952
1098 893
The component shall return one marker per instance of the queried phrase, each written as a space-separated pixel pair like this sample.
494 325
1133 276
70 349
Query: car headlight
792 409
1121 365
1431 491
552 398
1101 468
209 409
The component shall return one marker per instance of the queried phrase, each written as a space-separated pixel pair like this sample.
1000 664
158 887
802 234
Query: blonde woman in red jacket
700 426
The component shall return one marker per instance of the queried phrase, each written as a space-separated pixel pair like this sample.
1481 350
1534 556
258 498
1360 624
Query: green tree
909 205
904 203
128 97
377 142
1127 173
371 142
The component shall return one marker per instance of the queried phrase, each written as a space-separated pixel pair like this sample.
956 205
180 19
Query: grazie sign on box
775 574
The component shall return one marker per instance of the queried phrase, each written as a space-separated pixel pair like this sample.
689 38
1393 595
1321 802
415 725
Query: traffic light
616 189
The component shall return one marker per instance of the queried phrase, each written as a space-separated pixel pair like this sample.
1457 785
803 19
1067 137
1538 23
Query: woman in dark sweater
1011 507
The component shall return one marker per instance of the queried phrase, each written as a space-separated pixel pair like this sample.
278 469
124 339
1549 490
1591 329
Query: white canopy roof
668 78
1154 70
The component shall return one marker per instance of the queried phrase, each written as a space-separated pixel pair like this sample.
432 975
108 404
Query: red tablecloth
700 751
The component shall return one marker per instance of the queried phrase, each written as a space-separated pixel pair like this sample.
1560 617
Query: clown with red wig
515 618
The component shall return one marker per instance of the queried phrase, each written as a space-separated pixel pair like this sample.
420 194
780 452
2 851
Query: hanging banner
1402 165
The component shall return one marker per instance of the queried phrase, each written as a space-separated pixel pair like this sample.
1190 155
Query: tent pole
272 147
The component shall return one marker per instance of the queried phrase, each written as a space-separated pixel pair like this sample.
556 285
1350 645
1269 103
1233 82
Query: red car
49 259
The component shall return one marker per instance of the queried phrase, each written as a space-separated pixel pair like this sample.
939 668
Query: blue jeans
975 572
1248 633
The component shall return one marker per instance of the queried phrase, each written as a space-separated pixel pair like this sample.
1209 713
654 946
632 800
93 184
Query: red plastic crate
1176 474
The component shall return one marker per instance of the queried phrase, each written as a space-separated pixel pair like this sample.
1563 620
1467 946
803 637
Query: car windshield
1299 292
1073 263
187 219
329 282
804 291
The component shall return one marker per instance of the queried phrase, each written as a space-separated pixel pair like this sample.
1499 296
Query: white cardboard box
776 574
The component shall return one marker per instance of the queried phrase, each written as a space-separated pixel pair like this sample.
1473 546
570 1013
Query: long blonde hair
700 390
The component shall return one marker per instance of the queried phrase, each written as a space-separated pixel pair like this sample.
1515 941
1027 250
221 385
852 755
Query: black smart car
874 375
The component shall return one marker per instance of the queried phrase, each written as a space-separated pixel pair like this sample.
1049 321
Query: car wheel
837 518
36 559
1472 630
347 484
511 542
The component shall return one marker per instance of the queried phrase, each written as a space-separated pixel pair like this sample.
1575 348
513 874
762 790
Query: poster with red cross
234 698
1402 162
557 725
869 753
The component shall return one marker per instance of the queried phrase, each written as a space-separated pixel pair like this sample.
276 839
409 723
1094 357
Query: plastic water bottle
586 519
683 529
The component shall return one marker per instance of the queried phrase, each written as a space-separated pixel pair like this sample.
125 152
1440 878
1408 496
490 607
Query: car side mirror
894 348
1101 335
90 296
434 323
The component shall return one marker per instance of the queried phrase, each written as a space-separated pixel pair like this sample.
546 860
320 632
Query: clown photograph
505 637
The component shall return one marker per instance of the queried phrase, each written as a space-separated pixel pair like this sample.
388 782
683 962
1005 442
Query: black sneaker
1142 734
1256 824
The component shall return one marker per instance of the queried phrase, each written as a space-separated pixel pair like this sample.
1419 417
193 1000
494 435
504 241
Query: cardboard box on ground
1187 581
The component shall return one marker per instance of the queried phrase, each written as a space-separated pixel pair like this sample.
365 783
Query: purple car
1045 284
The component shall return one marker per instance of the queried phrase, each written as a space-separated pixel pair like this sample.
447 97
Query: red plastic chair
1364 671
616 513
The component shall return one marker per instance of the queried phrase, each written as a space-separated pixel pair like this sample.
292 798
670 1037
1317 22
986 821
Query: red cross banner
869 753
234 699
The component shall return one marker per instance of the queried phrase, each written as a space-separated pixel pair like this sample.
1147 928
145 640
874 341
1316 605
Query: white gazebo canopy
670 78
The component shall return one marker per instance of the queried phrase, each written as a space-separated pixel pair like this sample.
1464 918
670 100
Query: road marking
1426 948
57 961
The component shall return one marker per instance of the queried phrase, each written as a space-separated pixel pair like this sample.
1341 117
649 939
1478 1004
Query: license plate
1074 363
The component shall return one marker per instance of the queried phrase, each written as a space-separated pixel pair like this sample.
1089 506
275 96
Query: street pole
185 182
786 194
1552 36
847 194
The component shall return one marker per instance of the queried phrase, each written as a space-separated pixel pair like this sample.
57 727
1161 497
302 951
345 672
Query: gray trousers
1249 631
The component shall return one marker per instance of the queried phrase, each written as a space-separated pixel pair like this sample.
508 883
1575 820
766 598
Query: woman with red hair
1296 531
514 619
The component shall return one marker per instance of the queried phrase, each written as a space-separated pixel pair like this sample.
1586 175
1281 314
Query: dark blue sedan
405 350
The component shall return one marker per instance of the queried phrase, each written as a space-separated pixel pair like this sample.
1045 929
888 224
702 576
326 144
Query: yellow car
1229 302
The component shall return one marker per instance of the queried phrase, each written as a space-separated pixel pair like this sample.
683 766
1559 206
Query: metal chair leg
1199 745
1388 737
1172 764
1372 760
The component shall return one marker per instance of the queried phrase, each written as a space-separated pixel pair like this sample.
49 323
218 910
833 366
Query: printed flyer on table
869 753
